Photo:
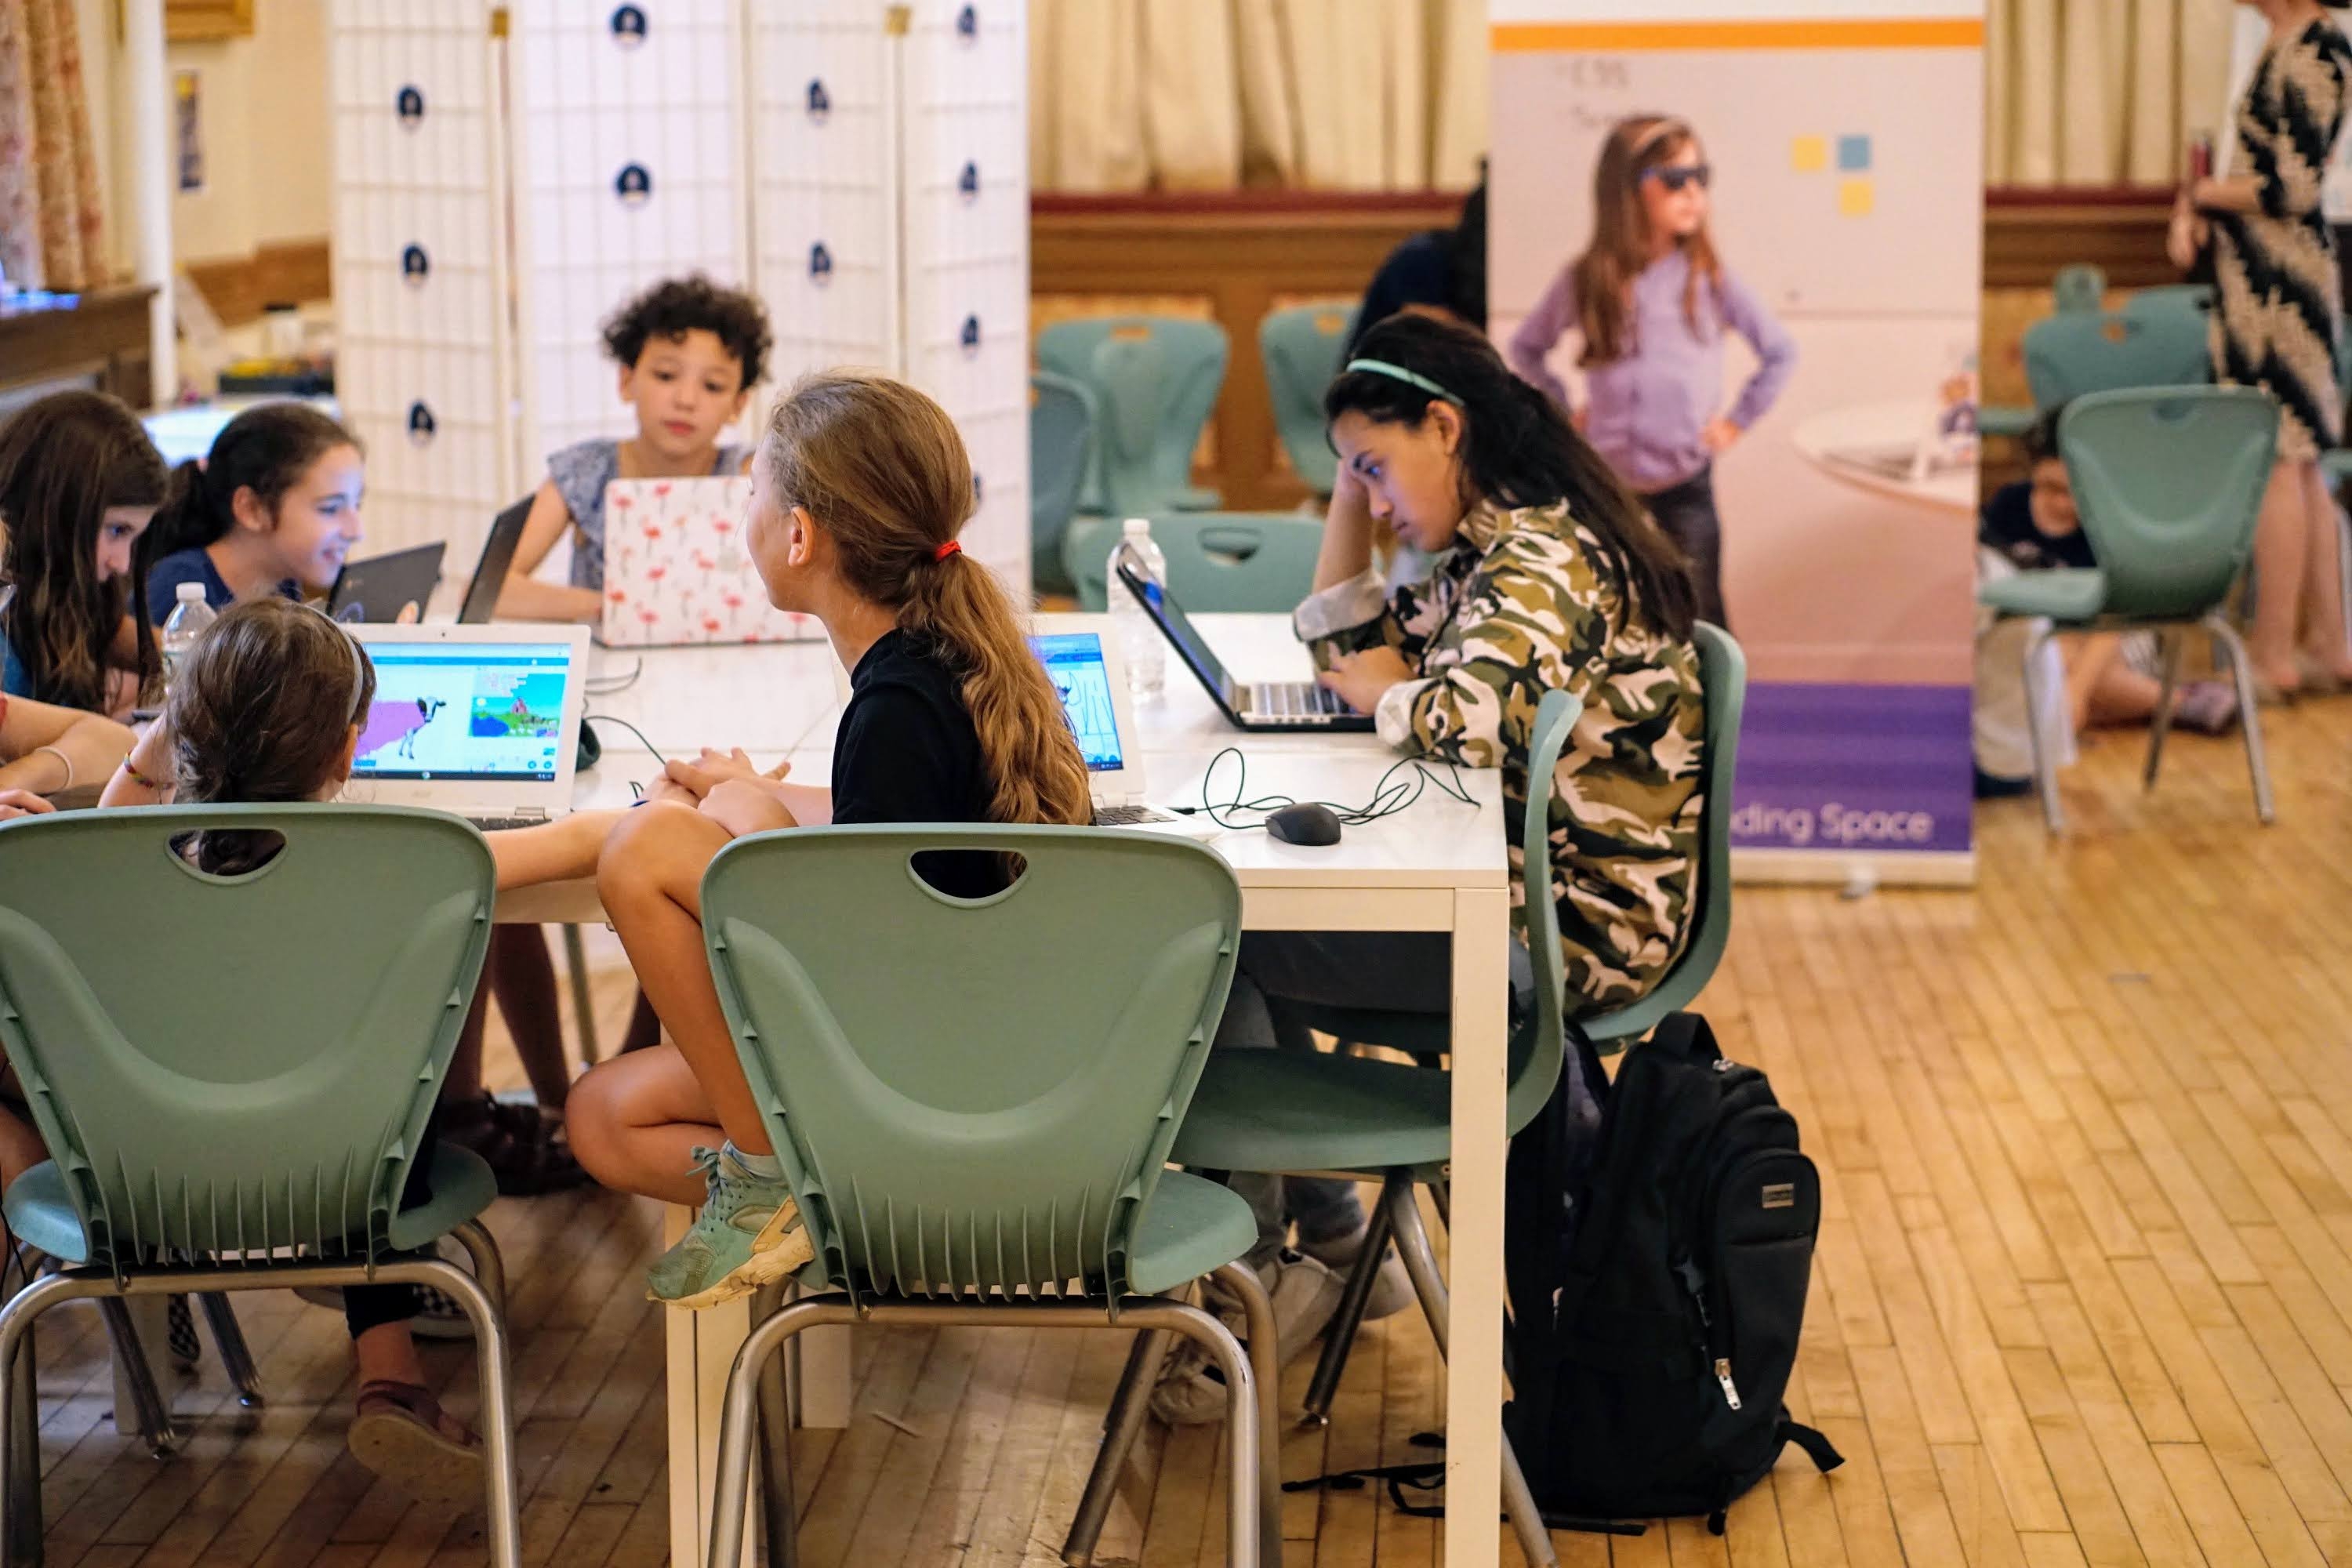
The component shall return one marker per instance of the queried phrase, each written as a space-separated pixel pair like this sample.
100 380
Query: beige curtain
1313 94
2100 92
52 233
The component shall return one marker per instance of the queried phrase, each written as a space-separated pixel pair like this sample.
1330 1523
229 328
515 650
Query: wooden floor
2084 1294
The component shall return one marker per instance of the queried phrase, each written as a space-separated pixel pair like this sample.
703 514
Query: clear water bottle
189 620
1138 638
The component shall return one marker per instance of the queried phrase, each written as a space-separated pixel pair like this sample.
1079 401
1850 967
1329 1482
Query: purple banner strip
1874 768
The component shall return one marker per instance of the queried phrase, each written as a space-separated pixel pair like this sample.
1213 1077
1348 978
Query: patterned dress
2280 307
1528 602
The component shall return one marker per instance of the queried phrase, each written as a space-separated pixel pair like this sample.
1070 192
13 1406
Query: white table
1823 438
1438 867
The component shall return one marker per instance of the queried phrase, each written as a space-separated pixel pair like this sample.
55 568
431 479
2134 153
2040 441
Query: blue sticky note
1854 154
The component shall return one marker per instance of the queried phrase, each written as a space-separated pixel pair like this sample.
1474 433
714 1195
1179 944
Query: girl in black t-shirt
857 494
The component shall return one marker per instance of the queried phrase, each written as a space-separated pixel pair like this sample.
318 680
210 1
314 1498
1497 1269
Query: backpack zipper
1723 1376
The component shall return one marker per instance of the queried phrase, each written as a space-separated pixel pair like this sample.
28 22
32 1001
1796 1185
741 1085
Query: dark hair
881 470
265 449
1467 257
676 306
63 461
260 711
1517 451
2041 437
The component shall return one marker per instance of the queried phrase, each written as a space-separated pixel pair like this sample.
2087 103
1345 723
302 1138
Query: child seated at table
690 353
858 494
268 707
2112 679
79 482
273 508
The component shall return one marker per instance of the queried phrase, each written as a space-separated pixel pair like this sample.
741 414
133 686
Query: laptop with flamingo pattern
678 573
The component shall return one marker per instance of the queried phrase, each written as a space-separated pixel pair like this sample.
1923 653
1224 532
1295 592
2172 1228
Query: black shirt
2008 526
907 752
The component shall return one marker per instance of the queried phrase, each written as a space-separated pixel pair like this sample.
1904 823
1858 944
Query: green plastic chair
229 1069
1301 348
988 1146
1238 560
2168 483
2170 299
1061 446
1311 1113
2071 356
1156 380
2079 287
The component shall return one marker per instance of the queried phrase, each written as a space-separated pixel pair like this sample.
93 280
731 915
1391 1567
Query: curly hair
676 306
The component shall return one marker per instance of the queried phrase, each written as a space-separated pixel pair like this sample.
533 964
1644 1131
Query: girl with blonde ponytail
859 492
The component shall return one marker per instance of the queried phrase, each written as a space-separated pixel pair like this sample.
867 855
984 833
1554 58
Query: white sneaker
1391 1287
1306 1294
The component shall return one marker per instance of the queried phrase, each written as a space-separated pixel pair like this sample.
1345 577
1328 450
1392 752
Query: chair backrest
972 1093
2169 484
1723 675
1061 446
1301 347
235 1064
1234 561
1156 380
1540 1043
2071 356
2170 299
2081 287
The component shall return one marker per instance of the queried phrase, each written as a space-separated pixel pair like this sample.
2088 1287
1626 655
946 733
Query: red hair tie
952 547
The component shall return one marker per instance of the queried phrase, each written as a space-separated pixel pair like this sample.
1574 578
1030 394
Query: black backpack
1658 1277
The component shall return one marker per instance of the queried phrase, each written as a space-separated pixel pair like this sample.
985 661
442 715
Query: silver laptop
1086 671
480 721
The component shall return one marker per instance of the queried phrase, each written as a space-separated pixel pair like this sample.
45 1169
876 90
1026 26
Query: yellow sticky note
1856 197
1808 154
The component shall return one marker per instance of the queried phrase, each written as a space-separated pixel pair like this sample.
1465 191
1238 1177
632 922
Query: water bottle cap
1137 528
190 593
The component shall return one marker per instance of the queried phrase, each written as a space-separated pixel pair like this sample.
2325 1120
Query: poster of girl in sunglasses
1650 300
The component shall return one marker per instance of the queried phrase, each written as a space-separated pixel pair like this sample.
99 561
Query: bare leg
387 1352
650 877
2282 551
522 978
636 1122
2324 640
21 1148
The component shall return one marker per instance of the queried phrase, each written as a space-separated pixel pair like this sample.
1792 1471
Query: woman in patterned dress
2276 324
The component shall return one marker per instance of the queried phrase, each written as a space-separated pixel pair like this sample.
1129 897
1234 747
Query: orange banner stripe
1826 33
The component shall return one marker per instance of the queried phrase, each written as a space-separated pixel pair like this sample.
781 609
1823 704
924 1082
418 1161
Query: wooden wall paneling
237 288
104 336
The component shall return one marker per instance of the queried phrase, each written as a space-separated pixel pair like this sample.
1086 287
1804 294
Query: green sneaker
748 1234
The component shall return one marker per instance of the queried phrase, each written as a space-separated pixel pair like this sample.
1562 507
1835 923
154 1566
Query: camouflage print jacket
1527 603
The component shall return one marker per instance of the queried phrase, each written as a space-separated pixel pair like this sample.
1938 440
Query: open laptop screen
1181 631
1074 662
464 711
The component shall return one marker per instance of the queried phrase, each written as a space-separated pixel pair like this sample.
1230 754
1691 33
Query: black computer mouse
591 748
1307 823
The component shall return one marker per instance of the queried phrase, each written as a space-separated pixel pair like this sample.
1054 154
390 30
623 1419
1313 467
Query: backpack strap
1817 1447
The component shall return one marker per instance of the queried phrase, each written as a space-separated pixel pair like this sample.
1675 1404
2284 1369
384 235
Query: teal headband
1410 378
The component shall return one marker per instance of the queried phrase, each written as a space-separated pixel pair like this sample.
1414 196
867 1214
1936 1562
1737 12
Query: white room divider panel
964 183
628 136
423 360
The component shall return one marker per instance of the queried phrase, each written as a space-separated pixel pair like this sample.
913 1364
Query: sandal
525 1147
402 1435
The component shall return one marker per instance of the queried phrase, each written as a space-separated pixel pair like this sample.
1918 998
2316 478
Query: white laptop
481 721
678 573
1086 669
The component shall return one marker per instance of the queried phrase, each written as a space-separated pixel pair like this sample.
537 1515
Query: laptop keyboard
499 824
1129 816
1294 699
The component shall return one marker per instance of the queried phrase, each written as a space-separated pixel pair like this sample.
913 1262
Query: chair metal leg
22 1546
1130 1405
777 1520
489 1262
504 1525
2250 718
584 1014
1420 1263
738 1414
1441 1198
229 1339
2159 724
1339 1338
2045 766
1266 1364
152 1418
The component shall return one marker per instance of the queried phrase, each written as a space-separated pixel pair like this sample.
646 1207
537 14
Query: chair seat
40 1209
2068 594
1293 1111
1192 1227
